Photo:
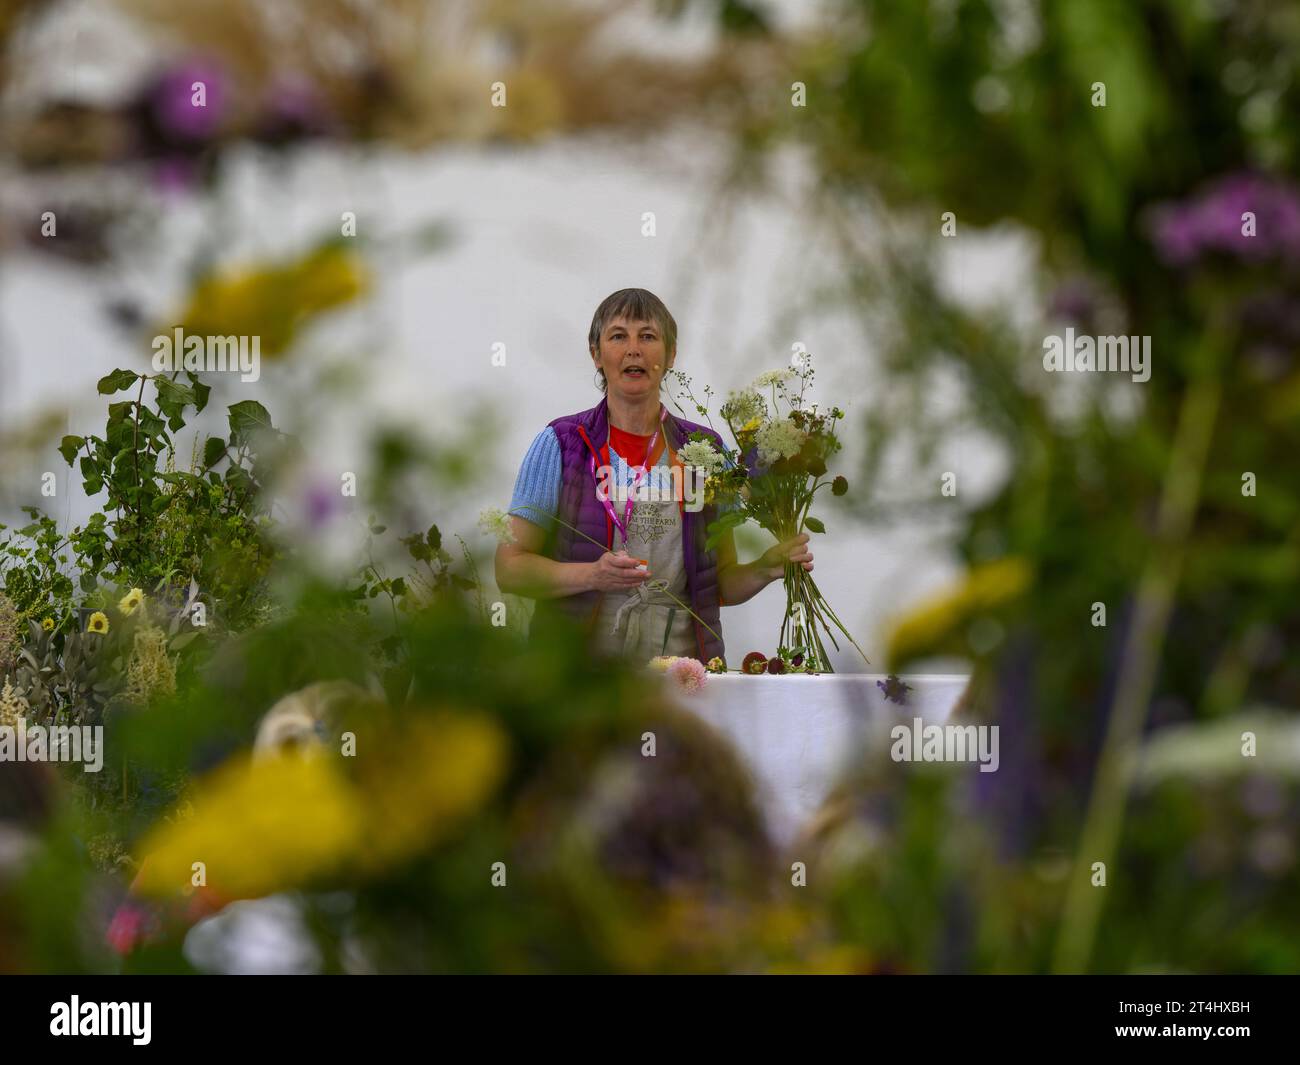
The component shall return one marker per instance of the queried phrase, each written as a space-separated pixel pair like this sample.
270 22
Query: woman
648 556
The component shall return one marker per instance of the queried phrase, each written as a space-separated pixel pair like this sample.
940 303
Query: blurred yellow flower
257 827
47 624
986 587
283 821
275 301
98 622
419 781
130 602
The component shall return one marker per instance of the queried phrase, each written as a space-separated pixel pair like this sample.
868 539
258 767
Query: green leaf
213 451
247 417
116 381
201 391
69 447
814 524
173 399
92 479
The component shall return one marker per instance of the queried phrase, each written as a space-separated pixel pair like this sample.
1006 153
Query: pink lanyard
639 472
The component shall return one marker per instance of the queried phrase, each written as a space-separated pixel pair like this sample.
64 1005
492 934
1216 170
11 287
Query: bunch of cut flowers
779 462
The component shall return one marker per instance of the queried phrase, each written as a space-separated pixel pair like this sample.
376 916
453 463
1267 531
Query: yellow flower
751 425
417 782
98 622
283 821
930 625
130 602
47 624
274 300
258 827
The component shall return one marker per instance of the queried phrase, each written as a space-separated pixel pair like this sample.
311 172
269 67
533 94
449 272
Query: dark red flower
776 664
755 662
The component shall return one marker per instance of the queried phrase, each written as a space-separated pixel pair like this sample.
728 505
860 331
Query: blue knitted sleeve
537 488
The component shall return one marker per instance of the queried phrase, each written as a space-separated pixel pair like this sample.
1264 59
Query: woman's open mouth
634 371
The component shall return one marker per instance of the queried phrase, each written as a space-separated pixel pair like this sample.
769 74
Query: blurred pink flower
688 674
131 924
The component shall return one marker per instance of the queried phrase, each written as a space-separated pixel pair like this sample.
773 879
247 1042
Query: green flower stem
1141 658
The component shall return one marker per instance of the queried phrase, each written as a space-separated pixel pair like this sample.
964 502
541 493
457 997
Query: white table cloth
798 734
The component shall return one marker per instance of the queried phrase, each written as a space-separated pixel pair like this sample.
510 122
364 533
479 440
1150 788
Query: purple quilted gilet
578 506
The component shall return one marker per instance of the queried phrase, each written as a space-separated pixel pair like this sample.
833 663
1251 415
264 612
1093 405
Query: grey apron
634 624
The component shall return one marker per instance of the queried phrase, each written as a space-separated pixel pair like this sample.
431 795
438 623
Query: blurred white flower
742 407
772 377
496 523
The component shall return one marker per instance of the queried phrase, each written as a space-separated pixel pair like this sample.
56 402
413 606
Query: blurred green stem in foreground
1143 647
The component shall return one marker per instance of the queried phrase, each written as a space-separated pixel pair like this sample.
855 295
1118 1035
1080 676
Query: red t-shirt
631 446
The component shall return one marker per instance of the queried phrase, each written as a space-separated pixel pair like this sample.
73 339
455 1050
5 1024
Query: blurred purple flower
293 109
1074 300
175 174
322 502
1187 231
1270 326
172 107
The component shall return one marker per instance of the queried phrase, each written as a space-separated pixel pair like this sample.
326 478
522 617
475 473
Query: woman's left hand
793 550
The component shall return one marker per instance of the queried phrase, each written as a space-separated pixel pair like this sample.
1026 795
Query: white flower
744 406
772 377
495 522
779 440
703 454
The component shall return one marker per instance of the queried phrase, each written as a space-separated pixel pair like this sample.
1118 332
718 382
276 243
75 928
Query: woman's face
633 357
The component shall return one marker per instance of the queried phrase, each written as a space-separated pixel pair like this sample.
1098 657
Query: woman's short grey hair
636 305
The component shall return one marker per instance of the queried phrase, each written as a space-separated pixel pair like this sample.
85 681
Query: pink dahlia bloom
688 674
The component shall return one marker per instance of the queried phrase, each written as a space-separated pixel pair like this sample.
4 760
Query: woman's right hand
617 572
